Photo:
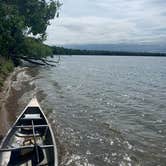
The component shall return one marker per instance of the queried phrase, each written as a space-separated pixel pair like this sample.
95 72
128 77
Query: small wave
78 161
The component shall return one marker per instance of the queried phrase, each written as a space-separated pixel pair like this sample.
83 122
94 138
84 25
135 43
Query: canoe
30 141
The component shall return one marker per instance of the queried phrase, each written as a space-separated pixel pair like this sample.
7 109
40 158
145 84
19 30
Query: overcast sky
109 22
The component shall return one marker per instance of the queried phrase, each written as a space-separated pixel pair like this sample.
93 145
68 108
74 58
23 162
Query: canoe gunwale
26 147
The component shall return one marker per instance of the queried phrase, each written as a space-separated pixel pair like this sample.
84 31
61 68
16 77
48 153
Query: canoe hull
30 130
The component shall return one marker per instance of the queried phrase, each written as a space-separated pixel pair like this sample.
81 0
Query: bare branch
36 60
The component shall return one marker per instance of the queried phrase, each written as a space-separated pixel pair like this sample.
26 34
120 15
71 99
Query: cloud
109 21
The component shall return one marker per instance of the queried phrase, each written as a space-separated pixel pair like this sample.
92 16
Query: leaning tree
23 25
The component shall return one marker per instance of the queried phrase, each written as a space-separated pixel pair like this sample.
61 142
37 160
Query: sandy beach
14 87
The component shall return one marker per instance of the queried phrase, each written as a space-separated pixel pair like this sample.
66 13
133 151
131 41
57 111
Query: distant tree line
65 51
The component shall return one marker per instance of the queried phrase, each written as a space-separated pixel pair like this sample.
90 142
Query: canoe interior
30 129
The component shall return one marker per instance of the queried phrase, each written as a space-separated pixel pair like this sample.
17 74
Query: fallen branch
36 60
46 62
31 61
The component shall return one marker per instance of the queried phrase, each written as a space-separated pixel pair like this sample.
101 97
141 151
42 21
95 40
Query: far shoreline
75 52
164 56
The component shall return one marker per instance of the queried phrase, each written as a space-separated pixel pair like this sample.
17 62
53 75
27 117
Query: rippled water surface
108 110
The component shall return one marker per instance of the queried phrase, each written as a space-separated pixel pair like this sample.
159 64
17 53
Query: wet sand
14 87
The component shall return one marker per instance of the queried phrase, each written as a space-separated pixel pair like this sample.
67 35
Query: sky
109 22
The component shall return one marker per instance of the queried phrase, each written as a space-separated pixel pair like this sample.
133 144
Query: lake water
107 110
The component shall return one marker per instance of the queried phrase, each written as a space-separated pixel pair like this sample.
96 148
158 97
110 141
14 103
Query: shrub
6 66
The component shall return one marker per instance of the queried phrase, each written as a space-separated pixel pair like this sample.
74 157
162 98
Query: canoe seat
18 134
31 117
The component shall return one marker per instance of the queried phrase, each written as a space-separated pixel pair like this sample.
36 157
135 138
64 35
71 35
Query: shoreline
10 93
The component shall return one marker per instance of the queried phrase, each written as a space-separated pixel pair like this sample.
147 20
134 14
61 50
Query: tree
18 20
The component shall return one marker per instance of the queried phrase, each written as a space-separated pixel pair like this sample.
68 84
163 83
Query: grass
6 67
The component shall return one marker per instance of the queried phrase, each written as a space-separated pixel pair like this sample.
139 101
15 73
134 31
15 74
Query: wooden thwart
30 126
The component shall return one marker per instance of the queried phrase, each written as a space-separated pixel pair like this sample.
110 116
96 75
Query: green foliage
6 66
34 48
37 14
18 19
11 25
1 83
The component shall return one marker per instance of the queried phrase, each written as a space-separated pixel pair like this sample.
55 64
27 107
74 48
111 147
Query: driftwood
38 61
